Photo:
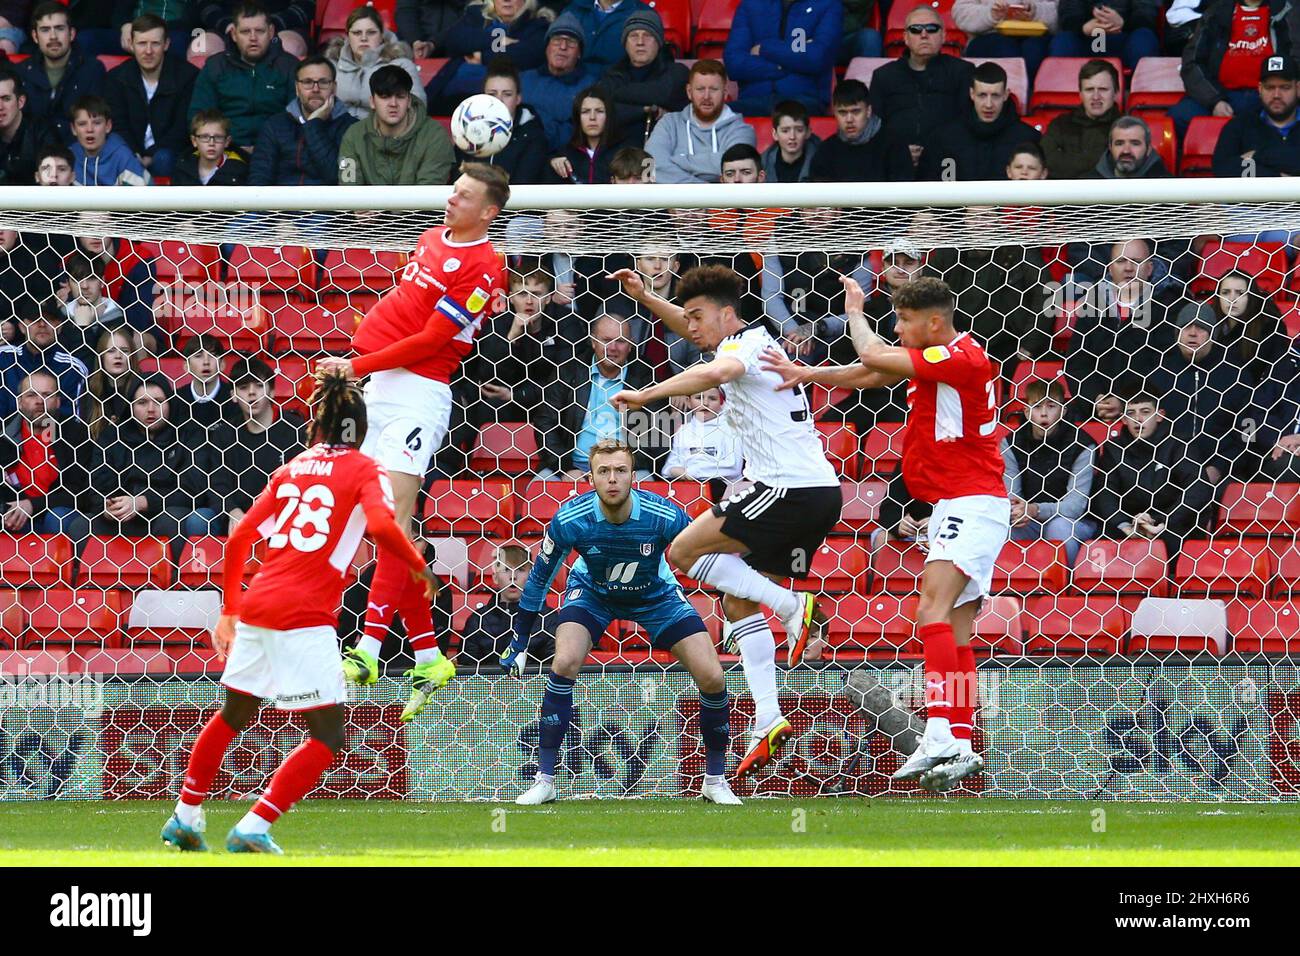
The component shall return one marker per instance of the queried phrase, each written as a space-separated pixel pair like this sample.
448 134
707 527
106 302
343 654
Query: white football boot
542 791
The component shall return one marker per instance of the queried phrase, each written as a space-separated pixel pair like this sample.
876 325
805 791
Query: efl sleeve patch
936 353
477 300
729 348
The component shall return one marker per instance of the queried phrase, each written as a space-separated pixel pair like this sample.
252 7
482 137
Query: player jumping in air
620 534
280 634
411 344
951 460
770 531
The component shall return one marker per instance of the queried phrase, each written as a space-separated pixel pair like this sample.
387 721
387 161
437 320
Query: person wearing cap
647 82
1202 391
1264 142
397 144
1221 65
783 50
551 87
602 24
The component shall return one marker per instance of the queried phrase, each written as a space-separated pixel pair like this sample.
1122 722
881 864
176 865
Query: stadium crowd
1139 378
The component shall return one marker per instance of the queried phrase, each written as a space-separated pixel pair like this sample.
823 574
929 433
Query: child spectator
489 630
88 306
54 166
101 157
705 447
1049 472
789 158
207 398
213 162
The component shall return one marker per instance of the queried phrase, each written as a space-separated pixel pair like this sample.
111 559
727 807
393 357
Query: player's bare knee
711 681
239 709
932 611
737 609
567 667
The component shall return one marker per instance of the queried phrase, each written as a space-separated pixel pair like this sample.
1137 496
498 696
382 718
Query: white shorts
407 418
299 669
970 532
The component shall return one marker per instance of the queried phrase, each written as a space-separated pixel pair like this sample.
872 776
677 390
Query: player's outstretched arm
835 376
692 381
673 316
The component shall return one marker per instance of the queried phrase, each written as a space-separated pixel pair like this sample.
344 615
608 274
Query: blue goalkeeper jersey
623 563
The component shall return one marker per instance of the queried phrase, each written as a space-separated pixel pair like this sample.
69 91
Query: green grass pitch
828 832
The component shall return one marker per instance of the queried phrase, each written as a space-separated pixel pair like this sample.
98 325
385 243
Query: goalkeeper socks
715 730
940 649
758 658
964 695
387 589
205 761
730 575
300 772
557 710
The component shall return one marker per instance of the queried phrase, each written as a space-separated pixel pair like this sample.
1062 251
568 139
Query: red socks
298 774
387 588
417 617
963 694
940 649
205 759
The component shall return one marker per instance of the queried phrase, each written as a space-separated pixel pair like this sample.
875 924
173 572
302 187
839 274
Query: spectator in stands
12 17
551 87
207 398
290 22
586 157
687 146
21 136
29 269
150 96
789 158
706 447
425 24
54 166
1147 484
1276 444
784 51
365 48
100 156
979 144
213 161
1267 142
576 412
249 84
261 438
398 144
178 27
921 90
485 31
901 517
153 479
129 281
489 630
41 463
1004 29
1121 331
1221 63
1129 154
647 82
396 652
110 388
61 73
300 146
1027 162
525 157
1181 20
1075 141
40 349
860 150
89 310
1248 325
1126 30
602 24
859 37
1049 472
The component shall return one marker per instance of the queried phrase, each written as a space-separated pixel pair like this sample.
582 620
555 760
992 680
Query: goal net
1142 634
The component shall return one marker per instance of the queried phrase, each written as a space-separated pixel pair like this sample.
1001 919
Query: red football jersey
950 447
444 282
312 515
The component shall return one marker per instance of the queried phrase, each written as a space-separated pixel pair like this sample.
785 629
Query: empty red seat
13 623
122 562
1157 84
193 262
507 447
896 568
280 267
881 626
468 508
691 496
1164 138
1056 86
1100 431
1264 261
863 67
823 127
240 324
1198 145
35 560
840 564
1265 627
764 135
1068 625
345 270
999 628
1233 568
1261 509
1017 77
304 327
713 23
1040 119
540 501
1132 568
61 616
1287 580
463 605
1178 626
861 506
882 449
1031 567
429 68
202 562
676 17
841 444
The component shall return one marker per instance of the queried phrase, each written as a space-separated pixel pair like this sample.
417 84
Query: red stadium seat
882 448
1265 261
468 508
1027 372
1265 627
540 501
35 560
713 23
111 61
1068 625
764 135
838 565
842 448
79 618
122 562
1287 582
1040 119
861 506
999 628
1100 431
896 568
176 618
305 328
823 127
240 324
280 267
13 624
1017 77
202 563
429 68
346 270
1031 567
505 447
1231 568
1199 143
1177 626
676 16
191 261
1261 509
954 40
1165 139
1157 84
463 605
882 625
332 16
691 496
1131 569
1056 86
863 67
710 610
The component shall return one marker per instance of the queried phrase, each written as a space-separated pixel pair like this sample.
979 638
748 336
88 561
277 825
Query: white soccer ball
481 125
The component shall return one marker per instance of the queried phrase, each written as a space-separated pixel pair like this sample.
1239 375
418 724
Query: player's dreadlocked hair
338 412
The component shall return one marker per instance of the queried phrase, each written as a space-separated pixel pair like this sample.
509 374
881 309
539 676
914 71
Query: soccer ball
481 125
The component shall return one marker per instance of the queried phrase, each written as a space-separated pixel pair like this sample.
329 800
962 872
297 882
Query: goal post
1151 659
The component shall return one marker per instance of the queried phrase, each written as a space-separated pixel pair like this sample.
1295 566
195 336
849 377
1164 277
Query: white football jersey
780 443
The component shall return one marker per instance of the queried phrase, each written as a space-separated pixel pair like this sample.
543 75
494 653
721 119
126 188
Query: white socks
427 654
937 728
370 645
252 823
189 814
758 657
731 575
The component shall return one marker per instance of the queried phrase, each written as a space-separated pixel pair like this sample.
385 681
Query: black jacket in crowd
971 149
133 111
661 83
232 172
1275 153
878 159
69 446
175 470
588 169
1047 465
293 153
1073 14
526 157
82 75
186 410
28 273
915 103
1160 477
1204 54
490 629
1202 402
18 157
251 456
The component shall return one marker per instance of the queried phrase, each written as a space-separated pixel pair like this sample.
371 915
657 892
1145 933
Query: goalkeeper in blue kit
620 534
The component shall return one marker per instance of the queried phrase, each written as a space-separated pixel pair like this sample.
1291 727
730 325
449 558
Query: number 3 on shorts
950 528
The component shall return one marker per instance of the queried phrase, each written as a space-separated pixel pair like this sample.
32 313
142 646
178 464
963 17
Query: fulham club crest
647 548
